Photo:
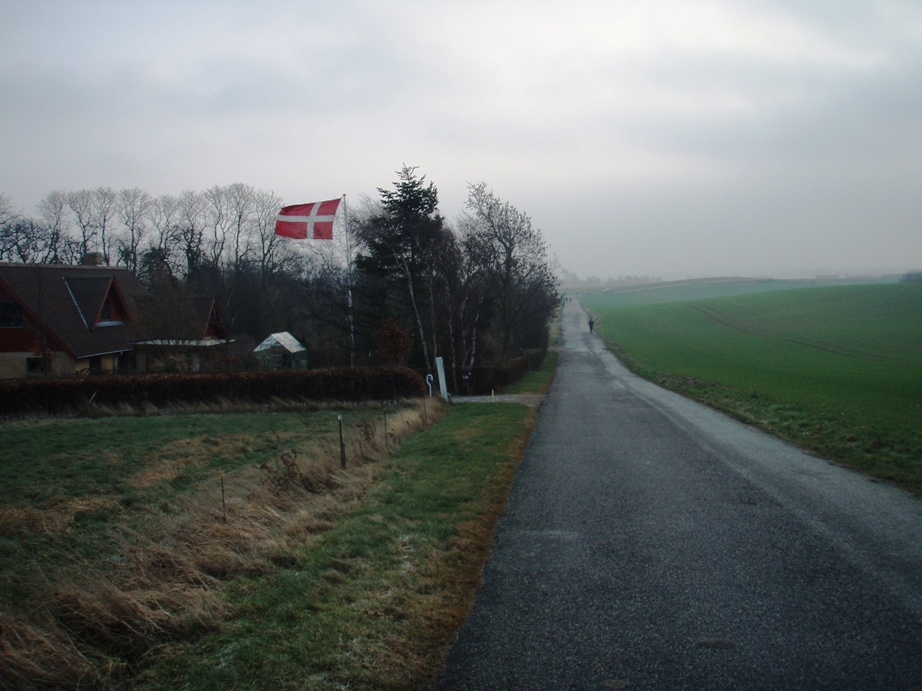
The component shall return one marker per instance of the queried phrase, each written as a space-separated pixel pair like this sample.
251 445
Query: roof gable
214 323
180 318
283 339
89 294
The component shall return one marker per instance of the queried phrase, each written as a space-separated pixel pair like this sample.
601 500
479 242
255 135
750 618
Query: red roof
89 310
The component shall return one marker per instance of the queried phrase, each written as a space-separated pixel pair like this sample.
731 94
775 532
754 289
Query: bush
19 396
495 377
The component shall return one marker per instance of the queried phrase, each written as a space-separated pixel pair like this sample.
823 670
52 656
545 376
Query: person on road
591 324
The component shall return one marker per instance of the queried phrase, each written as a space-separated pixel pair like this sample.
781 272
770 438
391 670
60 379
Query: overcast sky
676 139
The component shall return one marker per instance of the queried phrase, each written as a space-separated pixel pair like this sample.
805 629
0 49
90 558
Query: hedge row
494 378
359 384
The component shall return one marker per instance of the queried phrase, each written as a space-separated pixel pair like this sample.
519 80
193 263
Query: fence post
342 444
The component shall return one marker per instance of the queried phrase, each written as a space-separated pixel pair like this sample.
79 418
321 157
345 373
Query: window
37 365
10 314
110 315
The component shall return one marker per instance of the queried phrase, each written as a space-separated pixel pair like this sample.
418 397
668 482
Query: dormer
214 327
98 300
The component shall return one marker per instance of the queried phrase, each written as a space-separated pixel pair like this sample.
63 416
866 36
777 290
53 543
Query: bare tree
9 217
514 259
7 211
57 247
274 253
190 229
469 301
80 204
104 210
217 218
229 211
239 200
23 240
163 215
134 207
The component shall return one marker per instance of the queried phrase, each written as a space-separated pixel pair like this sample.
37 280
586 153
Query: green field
707 288
835 369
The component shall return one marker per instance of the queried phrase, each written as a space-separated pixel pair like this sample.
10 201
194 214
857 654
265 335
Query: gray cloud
664 138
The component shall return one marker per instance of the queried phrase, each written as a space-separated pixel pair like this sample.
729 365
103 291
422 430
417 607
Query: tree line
398 284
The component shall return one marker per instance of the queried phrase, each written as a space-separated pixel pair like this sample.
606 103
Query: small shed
281 351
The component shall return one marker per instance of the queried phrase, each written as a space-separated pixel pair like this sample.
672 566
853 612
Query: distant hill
705 288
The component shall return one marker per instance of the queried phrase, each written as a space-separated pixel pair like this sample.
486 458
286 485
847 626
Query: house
183 334
63 320
281 351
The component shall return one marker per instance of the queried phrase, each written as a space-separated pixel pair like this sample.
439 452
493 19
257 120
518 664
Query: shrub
495 377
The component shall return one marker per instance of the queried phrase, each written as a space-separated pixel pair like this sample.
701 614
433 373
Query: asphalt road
652 543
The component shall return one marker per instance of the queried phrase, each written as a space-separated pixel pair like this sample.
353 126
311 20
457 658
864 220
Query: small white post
443 385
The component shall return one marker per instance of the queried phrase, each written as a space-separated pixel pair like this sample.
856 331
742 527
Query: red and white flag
303 221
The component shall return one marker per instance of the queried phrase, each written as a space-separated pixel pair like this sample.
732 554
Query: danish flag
303 221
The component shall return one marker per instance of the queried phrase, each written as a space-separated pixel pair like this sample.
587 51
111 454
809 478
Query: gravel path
652 543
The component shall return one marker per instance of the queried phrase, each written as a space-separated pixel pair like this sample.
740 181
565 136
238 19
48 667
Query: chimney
92 259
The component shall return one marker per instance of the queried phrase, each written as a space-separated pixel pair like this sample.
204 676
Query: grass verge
538 381
376 601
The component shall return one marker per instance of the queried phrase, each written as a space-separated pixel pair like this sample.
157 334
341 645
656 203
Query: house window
37 365
10 314
110 314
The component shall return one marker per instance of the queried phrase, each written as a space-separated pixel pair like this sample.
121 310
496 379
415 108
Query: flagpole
349 279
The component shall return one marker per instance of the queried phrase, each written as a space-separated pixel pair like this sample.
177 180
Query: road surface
652 543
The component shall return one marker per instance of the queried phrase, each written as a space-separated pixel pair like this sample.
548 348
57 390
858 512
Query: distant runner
591 324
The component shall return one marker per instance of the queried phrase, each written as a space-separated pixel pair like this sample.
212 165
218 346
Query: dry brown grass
57 515
161 576
33 658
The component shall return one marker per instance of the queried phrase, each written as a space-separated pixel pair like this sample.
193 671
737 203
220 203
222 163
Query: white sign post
443 385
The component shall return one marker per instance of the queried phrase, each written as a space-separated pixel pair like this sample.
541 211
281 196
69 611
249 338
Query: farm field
706 288
837 370
233 551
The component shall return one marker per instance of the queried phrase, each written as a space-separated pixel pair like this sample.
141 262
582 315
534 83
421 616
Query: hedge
54 395
487 379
